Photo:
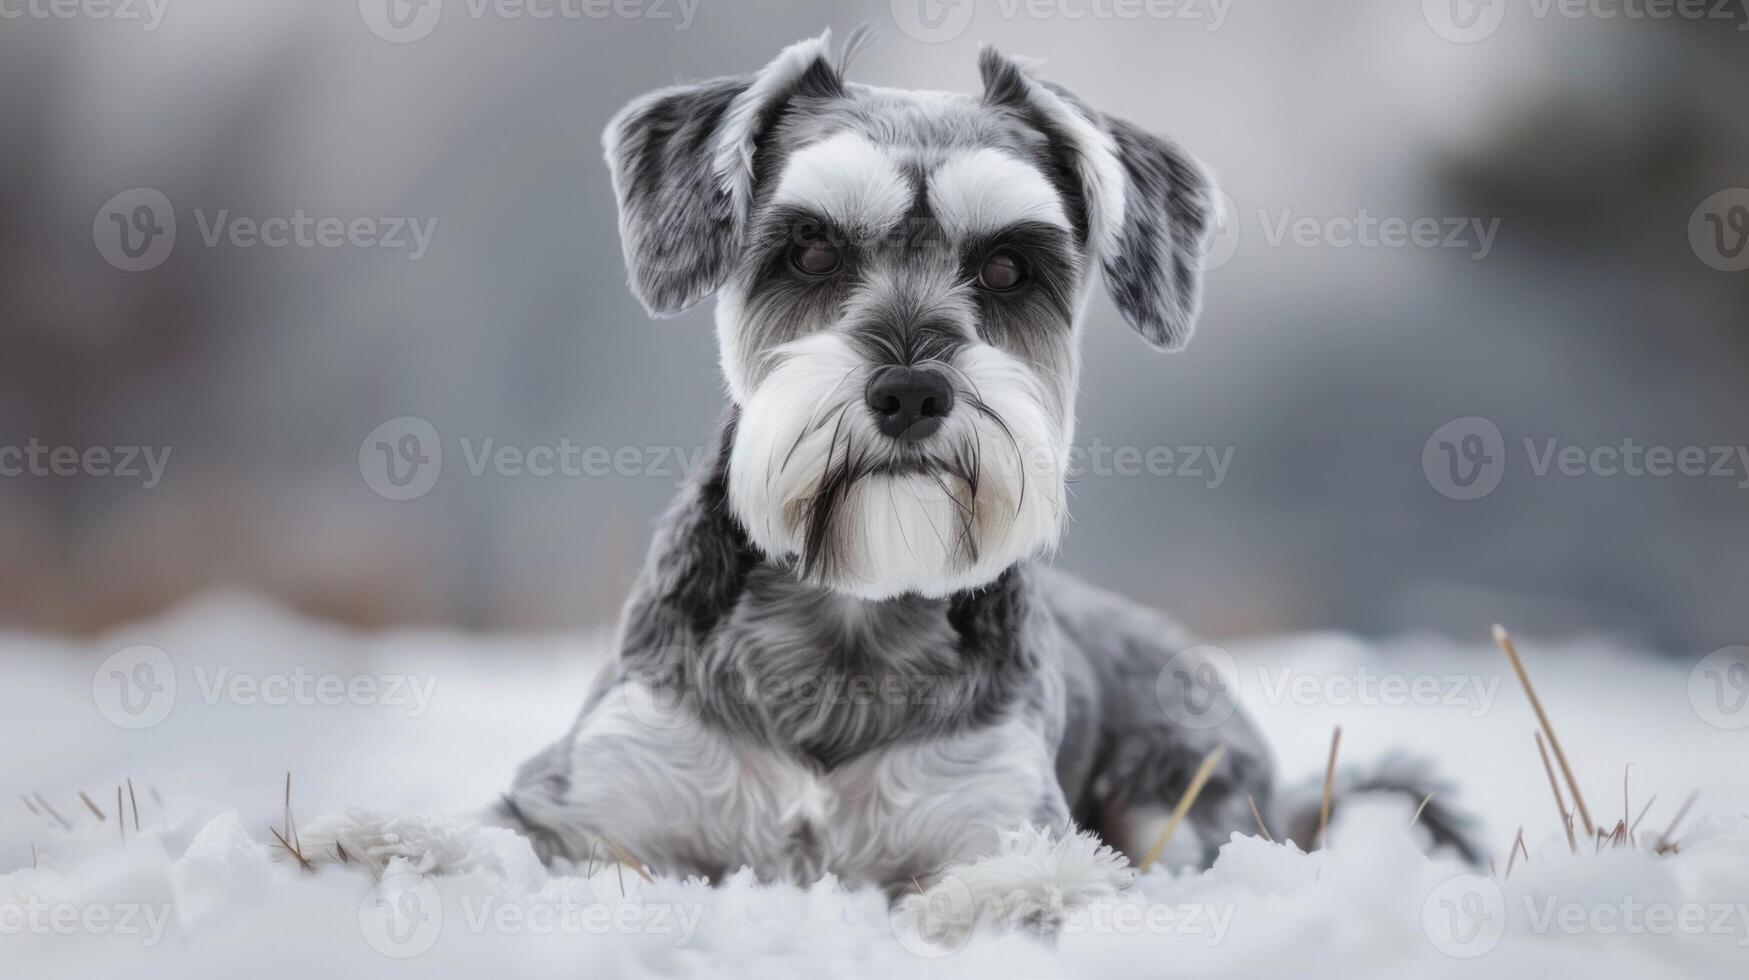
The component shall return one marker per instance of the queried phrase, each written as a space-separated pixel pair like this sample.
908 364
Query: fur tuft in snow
1036 881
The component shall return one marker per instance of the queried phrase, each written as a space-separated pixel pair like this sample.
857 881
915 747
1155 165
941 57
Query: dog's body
754 720
843 655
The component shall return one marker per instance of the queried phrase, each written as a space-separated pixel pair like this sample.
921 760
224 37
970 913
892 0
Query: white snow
421 725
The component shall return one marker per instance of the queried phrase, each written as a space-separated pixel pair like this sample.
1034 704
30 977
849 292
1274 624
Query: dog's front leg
986 815
646 769
1035 881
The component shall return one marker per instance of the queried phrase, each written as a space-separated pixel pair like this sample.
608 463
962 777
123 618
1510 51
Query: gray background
1325 369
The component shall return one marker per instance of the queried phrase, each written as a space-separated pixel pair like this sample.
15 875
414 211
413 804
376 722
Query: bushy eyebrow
848 178
988 189
779 227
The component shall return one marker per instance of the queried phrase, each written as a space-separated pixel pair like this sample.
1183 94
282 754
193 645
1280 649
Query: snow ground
426 722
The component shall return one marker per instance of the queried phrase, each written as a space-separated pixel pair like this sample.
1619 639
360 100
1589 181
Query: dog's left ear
1148 208
682 162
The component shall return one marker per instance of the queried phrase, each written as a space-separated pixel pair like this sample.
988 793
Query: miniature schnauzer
843 655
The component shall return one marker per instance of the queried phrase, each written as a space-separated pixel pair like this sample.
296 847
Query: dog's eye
816 257
1002 271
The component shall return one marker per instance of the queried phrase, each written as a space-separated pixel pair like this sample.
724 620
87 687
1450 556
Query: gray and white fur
843 654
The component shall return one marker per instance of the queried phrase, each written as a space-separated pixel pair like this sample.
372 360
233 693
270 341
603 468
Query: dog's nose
909 403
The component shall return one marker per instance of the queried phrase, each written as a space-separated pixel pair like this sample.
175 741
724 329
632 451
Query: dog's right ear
682 162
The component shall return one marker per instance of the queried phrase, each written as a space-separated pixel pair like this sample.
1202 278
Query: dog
844 654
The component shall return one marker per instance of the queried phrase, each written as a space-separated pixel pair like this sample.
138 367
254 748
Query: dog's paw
373 839
415 844
1033 883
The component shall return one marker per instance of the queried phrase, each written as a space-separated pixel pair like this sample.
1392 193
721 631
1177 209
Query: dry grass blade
1626 807
92 806
291 828
288 837
1415 817
1517 848
51 811
625 857
1560 803
1185 802
1643 811
1664 838
28 805
1259 818
136 804
1504 640
120 824
1329 786
289 849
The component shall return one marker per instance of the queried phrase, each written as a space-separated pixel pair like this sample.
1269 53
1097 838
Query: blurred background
1581 285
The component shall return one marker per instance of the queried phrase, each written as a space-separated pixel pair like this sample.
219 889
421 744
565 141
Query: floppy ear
1148 207
682 165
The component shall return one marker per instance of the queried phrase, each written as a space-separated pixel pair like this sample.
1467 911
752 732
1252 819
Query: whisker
814 423
925 511
959 505
893 505
968 542
1019 457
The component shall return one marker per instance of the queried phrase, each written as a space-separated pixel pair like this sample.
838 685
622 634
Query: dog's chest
685 798
832 677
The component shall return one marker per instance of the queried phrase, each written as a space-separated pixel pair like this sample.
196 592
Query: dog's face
900 277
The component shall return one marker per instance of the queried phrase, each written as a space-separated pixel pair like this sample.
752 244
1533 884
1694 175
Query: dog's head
900 279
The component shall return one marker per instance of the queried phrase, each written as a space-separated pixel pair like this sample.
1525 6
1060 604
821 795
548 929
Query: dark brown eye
816 257
1002 271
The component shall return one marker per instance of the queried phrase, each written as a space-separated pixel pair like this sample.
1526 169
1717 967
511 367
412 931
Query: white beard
892 533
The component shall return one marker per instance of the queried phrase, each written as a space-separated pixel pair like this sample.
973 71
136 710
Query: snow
419 726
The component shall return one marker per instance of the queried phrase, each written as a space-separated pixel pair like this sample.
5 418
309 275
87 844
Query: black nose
909 403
